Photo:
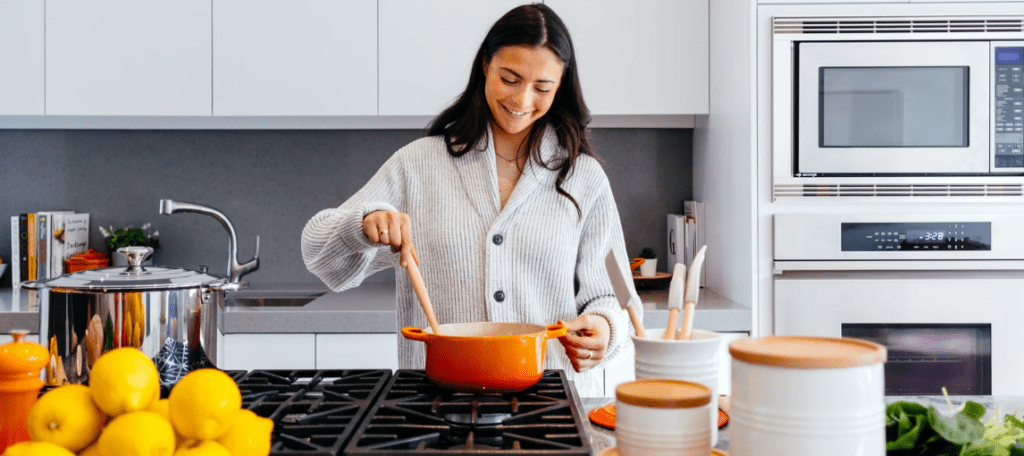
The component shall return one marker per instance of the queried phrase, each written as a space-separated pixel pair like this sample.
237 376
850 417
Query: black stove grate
413 416
314 411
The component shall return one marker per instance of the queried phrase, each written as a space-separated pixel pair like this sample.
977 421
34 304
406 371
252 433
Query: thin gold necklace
510 160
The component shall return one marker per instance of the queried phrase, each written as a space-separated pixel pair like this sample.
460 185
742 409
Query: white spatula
692 293
675 300
612 263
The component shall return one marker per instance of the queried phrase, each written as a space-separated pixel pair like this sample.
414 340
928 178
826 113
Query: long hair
464 123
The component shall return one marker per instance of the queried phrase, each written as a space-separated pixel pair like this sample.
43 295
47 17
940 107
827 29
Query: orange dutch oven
486 357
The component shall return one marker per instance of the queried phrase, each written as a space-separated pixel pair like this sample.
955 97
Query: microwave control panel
1008 106
916 237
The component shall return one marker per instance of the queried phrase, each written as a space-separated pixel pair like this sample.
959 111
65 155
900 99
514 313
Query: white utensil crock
661 417
807 395
694 360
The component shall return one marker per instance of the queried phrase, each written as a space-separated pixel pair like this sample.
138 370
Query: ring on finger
383 232
590 354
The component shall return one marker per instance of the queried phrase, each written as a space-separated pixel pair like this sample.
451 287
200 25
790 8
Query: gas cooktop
377 412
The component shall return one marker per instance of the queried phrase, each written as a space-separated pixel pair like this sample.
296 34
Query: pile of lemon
121 413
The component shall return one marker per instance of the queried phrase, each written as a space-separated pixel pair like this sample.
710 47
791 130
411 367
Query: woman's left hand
587 340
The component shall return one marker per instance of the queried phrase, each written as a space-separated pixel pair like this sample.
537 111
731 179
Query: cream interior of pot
491 329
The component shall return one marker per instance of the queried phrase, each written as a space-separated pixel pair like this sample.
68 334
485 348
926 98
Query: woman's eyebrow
521 76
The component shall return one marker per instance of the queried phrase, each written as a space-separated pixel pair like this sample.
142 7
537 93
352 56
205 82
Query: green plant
129 236
647 253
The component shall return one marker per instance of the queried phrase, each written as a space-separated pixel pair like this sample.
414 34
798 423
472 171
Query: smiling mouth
514 113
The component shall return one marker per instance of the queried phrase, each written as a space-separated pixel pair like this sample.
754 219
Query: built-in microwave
909 108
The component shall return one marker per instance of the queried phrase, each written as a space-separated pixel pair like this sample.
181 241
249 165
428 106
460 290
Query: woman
503 204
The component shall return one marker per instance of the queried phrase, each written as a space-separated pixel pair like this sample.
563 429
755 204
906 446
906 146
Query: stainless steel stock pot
168 313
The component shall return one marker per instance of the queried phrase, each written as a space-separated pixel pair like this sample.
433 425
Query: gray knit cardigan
481 262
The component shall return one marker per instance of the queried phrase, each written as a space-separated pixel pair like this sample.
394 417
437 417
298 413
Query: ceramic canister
662 417
694 360
807 395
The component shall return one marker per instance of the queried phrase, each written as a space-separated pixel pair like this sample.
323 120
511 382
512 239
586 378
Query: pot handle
555 331
415 334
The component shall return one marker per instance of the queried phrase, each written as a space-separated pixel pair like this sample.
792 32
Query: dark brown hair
464 123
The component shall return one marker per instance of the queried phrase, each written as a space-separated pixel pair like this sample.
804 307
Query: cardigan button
497 239
499 295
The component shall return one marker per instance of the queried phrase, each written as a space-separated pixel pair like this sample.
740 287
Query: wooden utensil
675 300
421 295
611 263
692 292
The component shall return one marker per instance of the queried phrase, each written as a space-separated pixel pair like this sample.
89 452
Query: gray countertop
370 308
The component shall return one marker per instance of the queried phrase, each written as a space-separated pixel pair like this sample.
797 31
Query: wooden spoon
421 294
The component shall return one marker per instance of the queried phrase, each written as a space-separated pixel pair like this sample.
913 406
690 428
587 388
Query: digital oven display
929 237
926 237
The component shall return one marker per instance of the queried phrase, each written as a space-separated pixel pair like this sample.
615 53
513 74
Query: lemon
91 450
204 404
161 407
67 417
37 449
124 380
250 436
203 448
137 434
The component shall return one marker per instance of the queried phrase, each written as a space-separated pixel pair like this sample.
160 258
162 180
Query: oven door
954 329
911 107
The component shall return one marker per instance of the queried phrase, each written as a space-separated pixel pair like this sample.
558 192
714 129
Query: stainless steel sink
276 300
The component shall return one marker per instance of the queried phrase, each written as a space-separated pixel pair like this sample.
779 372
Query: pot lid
808 352
133 278
663 393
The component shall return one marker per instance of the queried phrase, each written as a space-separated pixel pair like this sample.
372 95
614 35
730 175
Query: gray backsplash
269 182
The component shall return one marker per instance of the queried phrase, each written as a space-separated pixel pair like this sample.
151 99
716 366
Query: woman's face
520 86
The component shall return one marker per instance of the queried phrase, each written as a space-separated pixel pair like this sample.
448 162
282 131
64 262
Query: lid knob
135 254
20 363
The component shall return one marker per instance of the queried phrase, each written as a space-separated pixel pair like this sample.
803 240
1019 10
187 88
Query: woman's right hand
394 229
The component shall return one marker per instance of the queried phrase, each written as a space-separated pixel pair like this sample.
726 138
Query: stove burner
414 416
314 411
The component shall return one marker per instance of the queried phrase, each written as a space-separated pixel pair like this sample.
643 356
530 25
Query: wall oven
901 100
944 293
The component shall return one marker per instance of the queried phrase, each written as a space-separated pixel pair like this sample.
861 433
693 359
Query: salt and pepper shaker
20 363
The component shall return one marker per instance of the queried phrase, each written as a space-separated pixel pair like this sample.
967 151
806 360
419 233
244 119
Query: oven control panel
937 236
1008 107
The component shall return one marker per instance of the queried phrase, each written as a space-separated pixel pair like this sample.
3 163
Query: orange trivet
605 416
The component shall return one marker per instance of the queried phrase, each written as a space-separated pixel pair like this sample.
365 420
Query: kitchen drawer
357 351
268 351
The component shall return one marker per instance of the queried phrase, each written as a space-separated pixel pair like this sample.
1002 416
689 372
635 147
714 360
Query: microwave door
892 108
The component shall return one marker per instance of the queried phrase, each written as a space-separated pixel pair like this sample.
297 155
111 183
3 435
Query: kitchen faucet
235 270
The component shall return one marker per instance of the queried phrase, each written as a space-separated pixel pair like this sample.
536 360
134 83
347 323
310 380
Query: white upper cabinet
640 58
426 49
294 57
128 57
21 57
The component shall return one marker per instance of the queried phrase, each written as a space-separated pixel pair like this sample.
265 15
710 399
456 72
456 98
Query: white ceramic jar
662 417
807 395
694 360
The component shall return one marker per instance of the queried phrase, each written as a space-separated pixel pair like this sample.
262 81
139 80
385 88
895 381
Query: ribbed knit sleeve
334 247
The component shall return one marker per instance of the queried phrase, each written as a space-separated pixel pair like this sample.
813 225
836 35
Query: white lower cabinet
357 351
267 351
624 369
307 351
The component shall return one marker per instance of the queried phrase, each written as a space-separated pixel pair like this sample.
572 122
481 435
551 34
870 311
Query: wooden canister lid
807 351
663 393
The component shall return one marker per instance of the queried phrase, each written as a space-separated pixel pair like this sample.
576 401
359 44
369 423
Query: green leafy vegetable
913 429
